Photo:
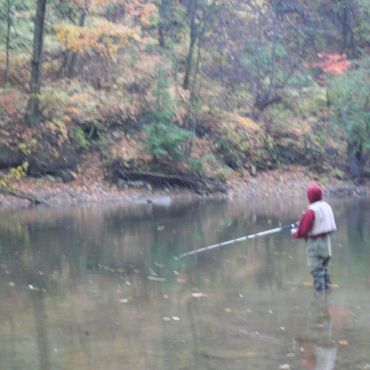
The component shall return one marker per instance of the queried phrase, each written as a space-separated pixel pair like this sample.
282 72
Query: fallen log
20 194
198 184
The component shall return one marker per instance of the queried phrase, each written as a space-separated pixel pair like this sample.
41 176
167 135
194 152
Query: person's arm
305 224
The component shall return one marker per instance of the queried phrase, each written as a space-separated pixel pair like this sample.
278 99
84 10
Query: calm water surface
100 289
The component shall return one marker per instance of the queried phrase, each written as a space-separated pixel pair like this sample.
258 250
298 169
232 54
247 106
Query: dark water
101 289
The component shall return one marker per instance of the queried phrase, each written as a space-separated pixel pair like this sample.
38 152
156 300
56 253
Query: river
101 288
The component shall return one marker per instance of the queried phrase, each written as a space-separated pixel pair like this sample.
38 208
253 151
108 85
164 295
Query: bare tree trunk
355 159
33 114
194 101
355 162
161 25
7 42
193 39
73 60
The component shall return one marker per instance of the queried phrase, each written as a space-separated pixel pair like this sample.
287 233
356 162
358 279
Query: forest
190 93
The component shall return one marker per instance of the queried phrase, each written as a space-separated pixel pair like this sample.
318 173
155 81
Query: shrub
52 103
349 96
165 138
278 118
313 101
80 138
12 105
14 174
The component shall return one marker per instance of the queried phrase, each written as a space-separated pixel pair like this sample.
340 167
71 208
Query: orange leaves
74 38
81 106
103 37
147 11
332 63
329 64
142 11
8 103
79 98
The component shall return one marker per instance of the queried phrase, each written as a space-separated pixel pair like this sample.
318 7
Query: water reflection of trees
86 264
357 235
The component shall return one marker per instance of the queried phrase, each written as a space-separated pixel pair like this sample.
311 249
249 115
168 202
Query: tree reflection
81 288
316 346
38 306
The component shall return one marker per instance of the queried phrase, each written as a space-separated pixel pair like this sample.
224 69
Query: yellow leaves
103 37
52 103
74 38
244 122
18 60
14 174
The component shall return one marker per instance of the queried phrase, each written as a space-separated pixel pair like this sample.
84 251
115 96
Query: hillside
166 95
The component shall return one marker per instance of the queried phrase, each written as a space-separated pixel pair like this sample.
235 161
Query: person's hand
293 231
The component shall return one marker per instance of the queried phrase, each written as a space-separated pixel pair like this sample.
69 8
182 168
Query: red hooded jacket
314 194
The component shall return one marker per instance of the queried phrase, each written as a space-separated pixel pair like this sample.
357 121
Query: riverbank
87 190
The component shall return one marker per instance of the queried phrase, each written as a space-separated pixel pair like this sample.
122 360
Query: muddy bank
277 183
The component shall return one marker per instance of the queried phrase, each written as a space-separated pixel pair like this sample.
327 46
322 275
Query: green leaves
165 138
21 13
350 96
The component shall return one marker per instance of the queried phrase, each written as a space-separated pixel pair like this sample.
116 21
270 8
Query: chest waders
318 251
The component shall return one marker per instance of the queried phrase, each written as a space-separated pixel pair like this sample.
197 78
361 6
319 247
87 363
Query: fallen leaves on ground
199 295
343 342
284 367
365 367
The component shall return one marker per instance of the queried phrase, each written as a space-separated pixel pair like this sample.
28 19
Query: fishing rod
247 237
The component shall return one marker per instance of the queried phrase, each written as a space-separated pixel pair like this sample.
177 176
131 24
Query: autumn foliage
103 38
336 64
7 103
236 72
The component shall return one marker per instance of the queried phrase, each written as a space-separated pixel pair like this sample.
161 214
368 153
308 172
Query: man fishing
315 226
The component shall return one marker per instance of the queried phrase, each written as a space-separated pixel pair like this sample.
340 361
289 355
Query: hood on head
314 193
